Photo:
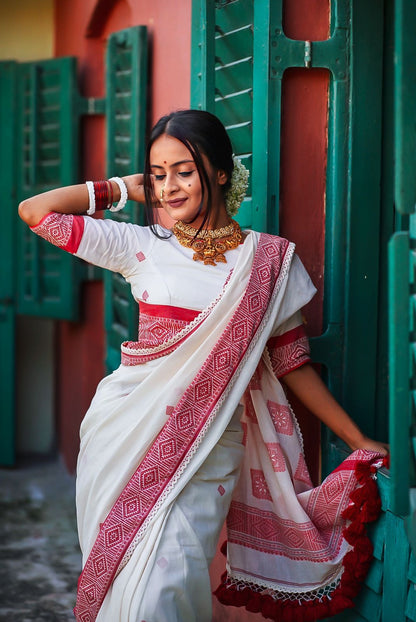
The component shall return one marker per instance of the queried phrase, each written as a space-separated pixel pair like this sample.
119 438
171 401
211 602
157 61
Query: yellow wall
26 29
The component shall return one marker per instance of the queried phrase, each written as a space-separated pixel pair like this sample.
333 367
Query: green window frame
126 127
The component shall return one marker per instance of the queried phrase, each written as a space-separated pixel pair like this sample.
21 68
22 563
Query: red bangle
101 195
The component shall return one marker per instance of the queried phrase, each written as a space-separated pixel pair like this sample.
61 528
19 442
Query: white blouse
161 271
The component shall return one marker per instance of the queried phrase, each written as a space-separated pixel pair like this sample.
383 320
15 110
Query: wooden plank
377 534
374 579
411 573
396 560
234 15
234 46
235 109
410 610
233 78
399 371
368 605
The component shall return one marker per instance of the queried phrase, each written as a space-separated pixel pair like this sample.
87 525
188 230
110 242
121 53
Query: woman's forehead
168 150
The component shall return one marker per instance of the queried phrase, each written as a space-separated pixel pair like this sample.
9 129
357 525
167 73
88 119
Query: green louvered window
47 157
222 79
126 126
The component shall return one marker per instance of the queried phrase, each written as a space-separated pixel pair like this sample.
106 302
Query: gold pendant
209 245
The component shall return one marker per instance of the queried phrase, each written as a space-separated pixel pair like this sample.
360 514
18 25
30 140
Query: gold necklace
210 244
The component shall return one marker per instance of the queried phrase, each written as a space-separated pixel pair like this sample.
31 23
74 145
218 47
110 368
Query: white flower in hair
237 190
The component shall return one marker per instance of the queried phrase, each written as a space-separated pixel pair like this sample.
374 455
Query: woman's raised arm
73 199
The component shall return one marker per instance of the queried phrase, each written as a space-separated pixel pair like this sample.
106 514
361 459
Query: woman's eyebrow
174 164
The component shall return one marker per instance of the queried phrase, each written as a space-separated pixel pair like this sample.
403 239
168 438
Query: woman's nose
170 184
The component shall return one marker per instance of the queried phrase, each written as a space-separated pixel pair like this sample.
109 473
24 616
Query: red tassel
254 604
362 471
351 512
365 507
358 496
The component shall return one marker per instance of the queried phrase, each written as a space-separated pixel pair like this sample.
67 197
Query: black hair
203 134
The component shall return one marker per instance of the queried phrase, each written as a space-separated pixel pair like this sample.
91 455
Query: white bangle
123 194
91 194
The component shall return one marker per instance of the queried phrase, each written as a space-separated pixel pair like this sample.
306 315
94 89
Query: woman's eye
185 173
159 177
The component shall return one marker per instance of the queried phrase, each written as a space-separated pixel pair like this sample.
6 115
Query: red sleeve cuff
289 351
63 230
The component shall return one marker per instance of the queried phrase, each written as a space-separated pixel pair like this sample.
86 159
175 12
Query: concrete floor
39 555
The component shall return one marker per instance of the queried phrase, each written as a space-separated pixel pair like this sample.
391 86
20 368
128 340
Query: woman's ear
222 177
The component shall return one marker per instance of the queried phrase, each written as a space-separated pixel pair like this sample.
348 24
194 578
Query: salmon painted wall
81 29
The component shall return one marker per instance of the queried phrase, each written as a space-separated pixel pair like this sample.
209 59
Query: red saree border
168 311
364 507
132 352
163 462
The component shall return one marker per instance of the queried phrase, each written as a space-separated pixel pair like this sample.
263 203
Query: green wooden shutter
47 157
7 280
222 76
126 126
402 273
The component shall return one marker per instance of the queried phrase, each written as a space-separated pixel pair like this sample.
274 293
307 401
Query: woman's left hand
371 445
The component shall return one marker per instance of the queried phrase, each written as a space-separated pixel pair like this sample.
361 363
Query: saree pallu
151 427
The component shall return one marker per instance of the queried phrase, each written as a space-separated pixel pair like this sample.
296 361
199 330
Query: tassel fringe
365 507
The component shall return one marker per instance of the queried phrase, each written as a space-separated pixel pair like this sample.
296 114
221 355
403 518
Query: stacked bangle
91 194
100 195
123 194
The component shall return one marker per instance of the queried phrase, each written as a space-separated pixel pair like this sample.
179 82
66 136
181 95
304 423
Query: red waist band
168 311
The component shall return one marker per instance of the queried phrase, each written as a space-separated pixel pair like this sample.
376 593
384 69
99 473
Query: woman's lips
176 202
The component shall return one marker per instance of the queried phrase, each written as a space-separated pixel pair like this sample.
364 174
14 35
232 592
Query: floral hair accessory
237 190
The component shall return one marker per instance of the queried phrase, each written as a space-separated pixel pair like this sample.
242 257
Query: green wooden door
240 56
7 278
47 149
126 126
39 118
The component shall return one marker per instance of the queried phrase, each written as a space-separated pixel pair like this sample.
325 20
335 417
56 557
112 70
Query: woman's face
175 172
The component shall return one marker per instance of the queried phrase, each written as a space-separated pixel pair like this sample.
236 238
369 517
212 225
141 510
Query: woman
195 424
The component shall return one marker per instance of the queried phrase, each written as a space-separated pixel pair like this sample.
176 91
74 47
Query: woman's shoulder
265 237
125 228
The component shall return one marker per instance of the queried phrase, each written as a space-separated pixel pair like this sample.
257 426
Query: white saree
162 448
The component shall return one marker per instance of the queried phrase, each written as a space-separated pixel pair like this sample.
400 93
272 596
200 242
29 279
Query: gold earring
162 190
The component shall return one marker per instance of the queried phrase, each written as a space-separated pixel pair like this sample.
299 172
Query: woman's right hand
135 187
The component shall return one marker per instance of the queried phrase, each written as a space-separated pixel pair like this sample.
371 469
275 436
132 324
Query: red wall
303 175
81 345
